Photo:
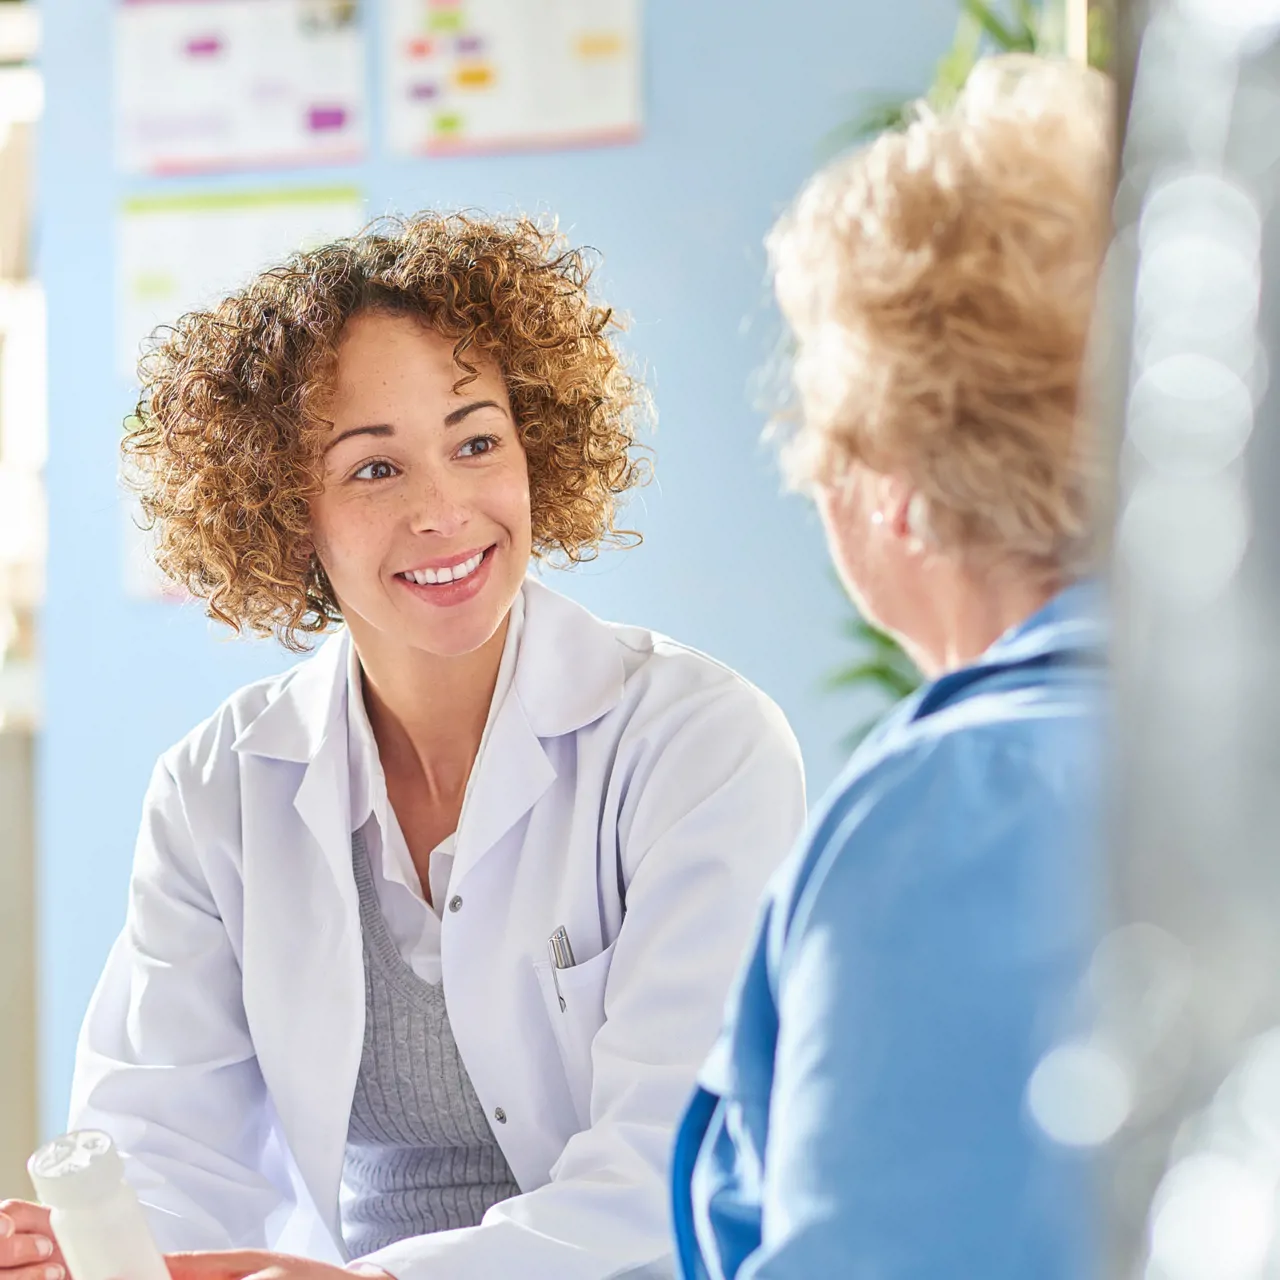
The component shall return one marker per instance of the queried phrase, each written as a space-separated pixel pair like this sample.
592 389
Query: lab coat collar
569 673
309 707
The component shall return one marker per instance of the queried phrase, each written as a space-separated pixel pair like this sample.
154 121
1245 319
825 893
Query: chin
455 640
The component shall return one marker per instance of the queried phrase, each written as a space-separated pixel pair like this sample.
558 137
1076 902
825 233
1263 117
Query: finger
223 1264
25 1217
45 1271
24 1250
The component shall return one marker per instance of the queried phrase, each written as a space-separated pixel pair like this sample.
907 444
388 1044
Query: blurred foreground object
22 550
1188 982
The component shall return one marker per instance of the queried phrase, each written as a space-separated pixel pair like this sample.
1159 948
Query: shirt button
500 1116
455 903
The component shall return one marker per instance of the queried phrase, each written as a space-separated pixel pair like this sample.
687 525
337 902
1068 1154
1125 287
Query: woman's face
424 523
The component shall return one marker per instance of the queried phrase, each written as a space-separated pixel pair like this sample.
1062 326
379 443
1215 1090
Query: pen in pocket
561 958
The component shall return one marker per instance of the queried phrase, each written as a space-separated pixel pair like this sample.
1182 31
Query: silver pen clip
561 958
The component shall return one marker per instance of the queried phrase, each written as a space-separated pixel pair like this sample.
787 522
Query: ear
894 497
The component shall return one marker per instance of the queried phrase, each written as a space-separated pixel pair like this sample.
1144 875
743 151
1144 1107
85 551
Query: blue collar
1068 630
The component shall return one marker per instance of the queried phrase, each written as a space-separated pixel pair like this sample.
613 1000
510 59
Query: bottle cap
76 1170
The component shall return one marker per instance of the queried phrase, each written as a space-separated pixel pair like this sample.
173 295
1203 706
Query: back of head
940 284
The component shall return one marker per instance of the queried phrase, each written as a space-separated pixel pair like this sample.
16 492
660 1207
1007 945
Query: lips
451 582
456 571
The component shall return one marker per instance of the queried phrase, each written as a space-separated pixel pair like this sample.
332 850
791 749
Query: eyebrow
380 429
452 419
383 429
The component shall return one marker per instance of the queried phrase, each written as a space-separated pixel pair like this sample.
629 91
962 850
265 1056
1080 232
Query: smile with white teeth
434 577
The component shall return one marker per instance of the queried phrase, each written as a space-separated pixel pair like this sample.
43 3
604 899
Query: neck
428 713
964 612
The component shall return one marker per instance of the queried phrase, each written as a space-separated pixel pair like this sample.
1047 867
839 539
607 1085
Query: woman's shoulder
973 794
663 669
280 703
639 674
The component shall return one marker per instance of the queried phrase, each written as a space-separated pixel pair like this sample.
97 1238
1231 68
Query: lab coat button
455 903
500 1116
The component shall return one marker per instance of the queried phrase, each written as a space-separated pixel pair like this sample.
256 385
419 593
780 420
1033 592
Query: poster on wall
175 253
204 85
178 253
491 75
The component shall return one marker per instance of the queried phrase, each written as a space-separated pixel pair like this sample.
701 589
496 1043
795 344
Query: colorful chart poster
179 253
487 75
204 85
176 253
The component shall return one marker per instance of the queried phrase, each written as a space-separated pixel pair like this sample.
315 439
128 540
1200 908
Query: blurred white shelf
21 301
21 94
19 32
20 702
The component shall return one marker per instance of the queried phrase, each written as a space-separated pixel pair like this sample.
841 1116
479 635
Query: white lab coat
632 790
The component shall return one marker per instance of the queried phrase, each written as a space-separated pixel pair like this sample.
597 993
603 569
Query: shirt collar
1071 622
1069 629
569 672
368 782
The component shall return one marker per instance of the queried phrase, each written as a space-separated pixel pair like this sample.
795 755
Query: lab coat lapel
511 776
306 725
569 672
330 1029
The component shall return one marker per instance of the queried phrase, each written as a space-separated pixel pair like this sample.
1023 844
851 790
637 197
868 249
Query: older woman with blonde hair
864 1112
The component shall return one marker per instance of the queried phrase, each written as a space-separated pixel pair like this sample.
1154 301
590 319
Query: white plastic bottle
95 1215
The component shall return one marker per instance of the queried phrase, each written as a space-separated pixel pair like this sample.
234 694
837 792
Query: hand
28 1250
240 1264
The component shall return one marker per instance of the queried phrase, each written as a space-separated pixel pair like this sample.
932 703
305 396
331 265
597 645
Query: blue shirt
863 1114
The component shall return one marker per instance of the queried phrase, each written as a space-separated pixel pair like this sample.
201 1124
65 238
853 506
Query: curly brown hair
224 447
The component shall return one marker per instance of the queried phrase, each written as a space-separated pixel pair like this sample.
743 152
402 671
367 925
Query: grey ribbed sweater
420 1154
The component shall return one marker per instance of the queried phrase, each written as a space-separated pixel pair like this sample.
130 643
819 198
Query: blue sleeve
929 955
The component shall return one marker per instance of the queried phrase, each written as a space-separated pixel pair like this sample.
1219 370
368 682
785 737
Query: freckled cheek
507 502
349 535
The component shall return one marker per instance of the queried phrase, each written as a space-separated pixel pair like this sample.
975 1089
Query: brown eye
375 471
477 446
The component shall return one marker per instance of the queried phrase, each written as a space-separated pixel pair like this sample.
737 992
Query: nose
437 504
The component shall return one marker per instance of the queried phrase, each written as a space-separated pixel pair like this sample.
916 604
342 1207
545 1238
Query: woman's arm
165 1062
716 811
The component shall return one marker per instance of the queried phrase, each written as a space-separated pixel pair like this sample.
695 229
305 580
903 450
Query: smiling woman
335 1016
235 413
412 443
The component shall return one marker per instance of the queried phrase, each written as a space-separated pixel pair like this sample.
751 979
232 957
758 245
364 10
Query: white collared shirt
414 924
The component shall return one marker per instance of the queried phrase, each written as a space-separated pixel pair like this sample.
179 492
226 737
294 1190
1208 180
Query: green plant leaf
879 115
1019 38
884 675
1101 39
1028 14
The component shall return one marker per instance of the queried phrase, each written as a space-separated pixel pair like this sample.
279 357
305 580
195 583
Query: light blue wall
739 97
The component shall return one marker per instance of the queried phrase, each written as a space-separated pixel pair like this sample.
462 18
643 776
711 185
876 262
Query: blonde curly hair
224 447
940 285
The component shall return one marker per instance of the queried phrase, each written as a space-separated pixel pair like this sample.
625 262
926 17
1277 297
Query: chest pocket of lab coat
575 1025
